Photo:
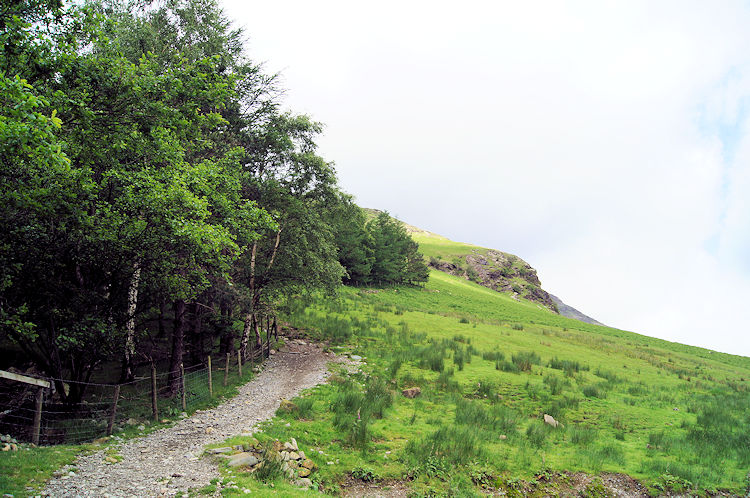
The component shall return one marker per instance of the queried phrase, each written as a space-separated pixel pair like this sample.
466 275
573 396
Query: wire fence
109 408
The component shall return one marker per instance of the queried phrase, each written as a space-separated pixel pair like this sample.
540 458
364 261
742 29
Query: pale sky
606 143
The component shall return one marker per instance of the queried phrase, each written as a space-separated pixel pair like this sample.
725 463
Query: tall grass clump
446 382
568 366
353 409
448 444
493 356
581 435
271 466
592 391
555 384
491 419
507 366
537 433
525 359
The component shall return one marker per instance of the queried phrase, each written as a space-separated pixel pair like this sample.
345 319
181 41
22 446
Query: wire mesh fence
108 408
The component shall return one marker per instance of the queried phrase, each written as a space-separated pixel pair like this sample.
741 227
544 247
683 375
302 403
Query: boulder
287 406
303 472
243 459
412 392
294 456
217 451
548 419
308 464
303 482
293 442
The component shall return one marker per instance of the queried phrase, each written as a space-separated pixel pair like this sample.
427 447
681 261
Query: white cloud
605 142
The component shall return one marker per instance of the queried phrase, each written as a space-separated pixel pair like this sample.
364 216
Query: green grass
24 472
628 403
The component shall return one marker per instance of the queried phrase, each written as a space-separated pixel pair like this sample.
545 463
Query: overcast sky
606 143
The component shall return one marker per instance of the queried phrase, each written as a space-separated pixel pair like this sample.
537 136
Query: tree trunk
178 346
128 373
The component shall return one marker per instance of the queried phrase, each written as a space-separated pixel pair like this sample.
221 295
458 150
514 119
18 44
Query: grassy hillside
674 417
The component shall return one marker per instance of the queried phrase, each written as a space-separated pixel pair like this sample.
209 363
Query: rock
273 351
224 450
287 406
551 421
302 455
209 430
355 357
308 464
243 459
141 427
412 392
288 447
6 447
503 437
13 447
183 415
294 456
293 442
303 472
131 421
101 440
303 482
277 446
165 421
284 456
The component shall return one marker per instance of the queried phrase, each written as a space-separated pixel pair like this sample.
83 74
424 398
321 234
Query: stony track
169 461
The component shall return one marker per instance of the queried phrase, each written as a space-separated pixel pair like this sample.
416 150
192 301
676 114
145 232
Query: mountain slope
489 368
496 270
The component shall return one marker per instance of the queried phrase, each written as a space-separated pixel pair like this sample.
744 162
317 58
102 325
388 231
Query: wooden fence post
226 370
210 379
113 411
154 408
182 377
37 416
239 363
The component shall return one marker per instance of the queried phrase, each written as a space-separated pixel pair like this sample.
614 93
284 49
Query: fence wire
91 418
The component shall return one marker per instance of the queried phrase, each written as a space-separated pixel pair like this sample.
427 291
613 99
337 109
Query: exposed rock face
571 312
499 271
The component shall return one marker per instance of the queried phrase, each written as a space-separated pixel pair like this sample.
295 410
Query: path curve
168 462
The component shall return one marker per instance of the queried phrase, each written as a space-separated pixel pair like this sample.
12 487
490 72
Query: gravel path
168 462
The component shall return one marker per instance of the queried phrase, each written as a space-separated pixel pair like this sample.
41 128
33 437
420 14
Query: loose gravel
169 462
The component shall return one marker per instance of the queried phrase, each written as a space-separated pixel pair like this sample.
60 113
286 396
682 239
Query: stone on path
241 459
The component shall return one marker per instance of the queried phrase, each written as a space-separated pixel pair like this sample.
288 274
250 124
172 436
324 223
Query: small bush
463 320
517 326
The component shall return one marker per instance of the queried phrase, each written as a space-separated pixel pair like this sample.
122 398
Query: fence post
239 363
226 370
37 416
210 379
182 377
154 408
113 411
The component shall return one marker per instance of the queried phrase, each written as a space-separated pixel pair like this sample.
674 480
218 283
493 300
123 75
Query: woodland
153 186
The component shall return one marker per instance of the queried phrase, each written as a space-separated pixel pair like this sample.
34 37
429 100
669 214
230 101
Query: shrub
304 408
517 326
